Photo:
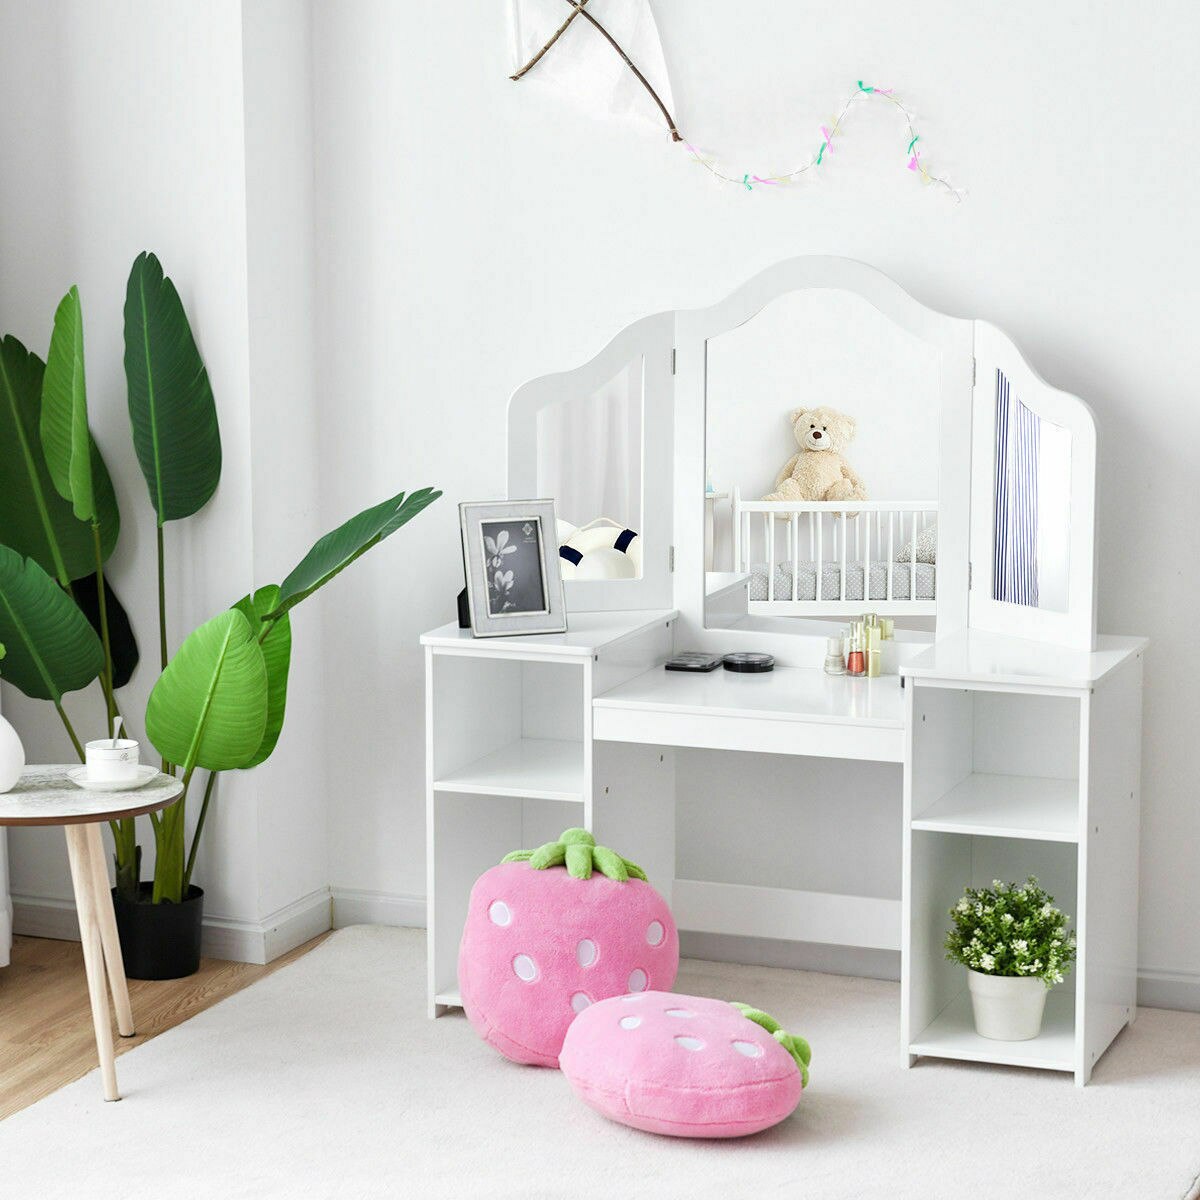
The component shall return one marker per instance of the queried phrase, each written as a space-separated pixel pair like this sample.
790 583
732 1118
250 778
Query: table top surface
45 796
586 633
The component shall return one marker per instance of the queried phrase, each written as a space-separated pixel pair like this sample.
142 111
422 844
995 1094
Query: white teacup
112 762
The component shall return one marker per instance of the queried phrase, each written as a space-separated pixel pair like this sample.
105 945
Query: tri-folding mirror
816 445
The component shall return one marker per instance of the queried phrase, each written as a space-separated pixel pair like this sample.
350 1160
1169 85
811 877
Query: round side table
45 796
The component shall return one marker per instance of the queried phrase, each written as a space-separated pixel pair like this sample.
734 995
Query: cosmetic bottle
835 660
890 655
874 651
856 662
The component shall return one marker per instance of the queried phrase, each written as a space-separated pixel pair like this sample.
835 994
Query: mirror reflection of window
589 459
1032 496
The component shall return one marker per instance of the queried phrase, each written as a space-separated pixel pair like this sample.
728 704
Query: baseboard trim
235 941
276 934
335 908
1169 989
352 906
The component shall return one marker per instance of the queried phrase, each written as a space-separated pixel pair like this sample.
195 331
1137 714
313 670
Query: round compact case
748 663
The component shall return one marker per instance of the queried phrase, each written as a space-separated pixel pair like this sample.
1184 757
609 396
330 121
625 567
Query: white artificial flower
1020 945
987 962
1008 918
962 906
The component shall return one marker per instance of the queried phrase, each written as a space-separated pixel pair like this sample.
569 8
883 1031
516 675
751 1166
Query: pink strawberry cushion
552 931
684 1065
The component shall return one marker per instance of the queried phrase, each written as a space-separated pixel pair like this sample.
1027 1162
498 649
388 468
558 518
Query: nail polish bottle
856 662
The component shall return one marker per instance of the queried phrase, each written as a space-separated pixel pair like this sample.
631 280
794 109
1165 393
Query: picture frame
510 557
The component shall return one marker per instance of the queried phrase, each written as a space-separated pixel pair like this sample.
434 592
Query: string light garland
829 135
749 180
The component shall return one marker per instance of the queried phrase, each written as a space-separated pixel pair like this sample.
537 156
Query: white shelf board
1012 806
976 657
531 768
451 997
952 1035
587 633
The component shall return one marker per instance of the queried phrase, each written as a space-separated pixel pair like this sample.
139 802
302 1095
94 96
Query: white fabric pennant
582 66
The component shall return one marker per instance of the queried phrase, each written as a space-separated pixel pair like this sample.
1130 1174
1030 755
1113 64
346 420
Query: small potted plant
1015 946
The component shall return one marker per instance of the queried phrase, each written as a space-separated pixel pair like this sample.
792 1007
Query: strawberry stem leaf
576 849
796 1046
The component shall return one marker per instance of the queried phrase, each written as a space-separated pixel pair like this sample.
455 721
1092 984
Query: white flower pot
1007 1008
12 756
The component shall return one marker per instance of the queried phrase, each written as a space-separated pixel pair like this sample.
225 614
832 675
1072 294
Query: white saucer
79 777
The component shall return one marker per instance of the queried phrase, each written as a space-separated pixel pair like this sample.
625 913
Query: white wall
471 233
476 232
136 126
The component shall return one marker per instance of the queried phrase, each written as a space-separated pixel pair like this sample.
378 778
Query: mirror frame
652 340
1076 626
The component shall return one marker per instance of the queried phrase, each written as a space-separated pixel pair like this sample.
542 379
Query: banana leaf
121 640
34 519
51 649
171 407
74 463
209 707
277 654
334 552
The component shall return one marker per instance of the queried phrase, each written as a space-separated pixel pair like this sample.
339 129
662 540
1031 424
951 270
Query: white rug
327 1080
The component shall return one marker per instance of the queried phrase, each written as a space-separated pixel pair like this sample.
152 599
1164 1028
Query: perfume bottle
874 651
835 660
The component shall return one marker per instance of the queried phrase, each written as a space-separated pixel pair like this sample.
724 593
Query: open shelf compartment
995 763
509 727
938 1019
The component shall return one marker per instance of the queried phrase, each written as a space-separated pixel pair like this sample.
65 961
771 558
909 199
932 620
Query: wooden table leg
84 880
107 921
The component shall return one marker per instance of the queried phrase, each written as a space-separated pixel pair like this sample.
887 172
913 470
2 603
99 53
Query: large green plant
219 703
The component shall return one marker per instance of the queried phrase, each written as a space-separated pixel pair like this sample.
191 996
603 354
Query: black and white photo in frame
510 554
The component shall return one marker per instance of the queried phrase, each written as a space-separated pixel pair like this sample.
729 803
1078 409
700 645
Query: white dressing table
1008 745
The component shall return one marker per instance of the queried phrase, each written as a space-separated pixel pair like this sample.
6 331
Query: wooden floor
46 1037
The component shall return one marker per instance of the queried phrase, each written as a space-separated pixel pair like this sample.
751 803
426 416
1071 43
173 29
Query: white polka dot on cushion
633 997
580 1001
524 968
749 1049
500 913
585 952
629 1022
655 933
680 1012
637 980
690 1043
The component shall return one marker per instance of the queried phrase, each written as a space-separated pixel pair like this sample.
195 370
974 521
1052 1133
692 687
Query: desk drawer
821 739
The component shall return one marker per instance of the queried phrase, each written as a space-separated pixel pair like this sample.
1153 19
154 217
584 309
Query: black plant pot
159 941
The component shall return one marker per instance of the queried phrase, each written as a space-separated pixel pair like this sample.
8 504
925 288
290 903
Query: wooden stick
577 11
608 37
533 62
